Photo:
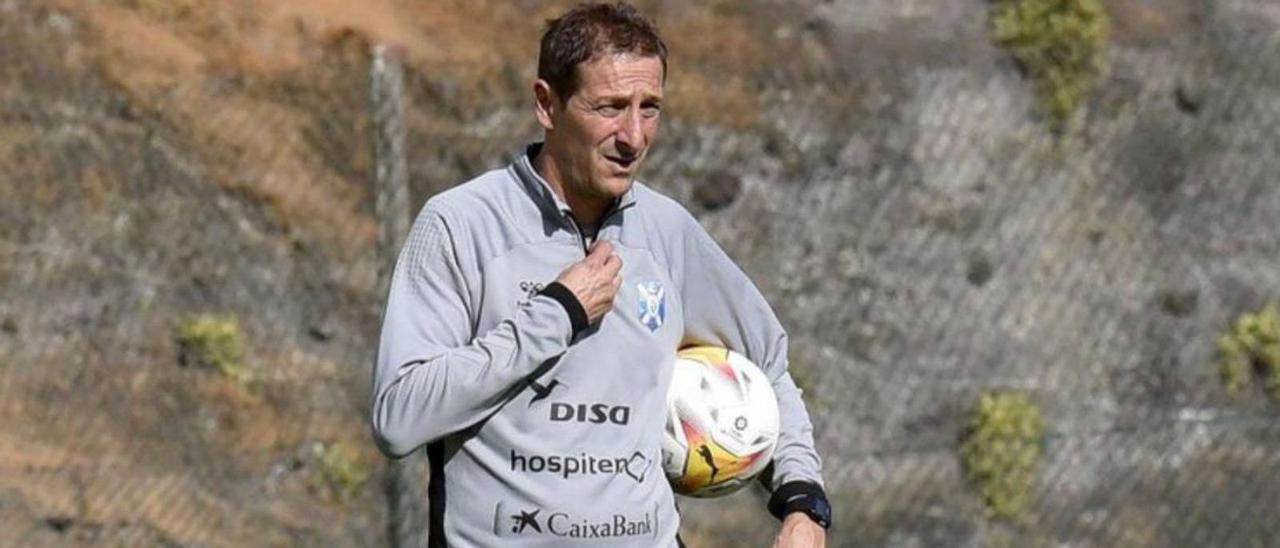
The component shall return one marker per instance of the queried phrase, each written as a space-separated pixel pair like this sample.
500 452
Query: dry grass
1148 22
111 461
224 76
214 71
210 70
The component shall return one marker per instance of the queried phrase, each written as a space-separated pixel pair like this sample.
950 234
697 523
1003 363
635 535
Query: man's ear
545 103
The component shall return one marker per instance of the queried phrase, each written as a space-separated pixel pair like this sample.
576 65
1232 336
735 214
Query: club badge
653 304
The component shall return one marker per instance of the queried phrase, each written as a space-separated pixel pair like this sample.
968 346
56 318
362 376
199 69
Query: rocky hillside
884 170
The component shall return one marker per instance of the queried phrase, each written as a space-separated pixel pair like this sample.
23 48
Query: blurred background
1025 250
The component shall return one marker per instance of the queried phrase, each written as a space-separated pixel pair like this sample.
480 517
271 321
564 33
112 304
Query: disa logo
590 413
595 413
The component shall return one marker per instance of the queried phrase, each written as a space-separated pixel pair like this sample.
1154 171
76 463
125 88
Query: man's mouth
624 163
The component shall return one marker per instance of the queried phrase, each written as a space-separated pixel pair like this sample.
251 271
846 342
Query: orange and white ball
722 422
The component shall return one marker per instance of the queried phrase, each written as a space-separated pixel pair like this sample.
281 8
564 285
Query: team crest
653 304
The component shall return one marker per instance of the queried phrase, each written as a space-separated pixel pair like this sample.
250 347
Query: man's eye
650 111
609 110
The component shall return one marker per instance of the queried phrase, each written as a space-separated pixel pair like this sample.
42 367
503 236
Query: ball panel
714 357
722 423
709 466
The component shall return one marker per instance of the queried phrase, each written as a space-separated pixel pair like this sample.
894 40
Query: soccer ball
722 422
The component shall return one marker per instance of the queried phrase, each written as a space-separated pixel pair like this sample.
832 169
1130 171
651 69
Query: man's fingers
598 253
601 248
612 264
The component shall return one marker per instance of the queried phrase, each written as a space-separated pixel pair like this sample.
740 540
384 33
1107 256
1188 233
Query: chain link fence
190 253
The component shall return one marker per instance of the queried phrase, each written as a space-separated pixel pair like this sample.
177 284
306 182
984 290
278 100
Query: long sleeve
723 307
433 375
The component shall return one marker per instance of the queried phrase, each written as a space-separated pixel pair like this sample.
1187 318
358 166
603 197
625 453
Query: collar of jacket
547 200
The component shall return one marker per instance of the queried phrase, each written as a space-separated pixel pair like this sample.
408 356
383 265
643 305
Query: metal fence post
405 482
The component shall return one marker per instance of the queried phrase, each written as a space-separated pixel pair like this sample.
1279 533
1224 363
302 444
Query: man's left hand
799 531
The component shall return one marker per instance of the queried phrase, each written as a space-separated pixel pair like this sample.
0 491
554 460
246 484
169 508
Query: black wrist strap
801 496
566 298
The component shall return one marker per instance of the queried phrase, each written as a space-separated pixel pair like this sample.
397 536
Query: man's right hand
594 280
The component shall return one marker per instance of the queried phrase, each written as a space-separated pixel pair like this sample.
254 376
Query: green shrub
1060 45
1253 343
1001 450
213 342
340 472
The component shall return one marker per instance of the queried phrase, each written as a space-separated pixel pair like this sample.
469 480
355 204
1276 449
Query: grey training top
539 437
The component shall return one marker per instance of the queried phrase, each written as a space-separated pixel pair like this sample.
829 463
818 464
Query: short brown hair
588 31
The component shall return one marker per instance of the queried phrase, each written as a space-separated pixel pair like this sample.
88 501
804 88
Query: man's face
601 134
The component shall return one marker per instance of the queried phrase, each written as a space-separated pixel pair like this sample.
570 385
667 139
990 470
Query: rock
59 523
1189 100
716 190
321 333
979 271
1179 303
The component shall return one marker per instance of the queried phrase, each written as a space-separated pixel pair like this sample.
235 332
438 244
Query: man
512 343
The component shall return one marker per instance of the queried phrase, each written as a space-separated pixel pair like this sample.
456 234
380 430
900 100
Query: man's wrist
804 497
563 295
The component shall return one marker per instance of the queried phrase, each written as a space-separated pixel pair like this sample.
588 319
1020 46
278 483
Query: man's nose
630 136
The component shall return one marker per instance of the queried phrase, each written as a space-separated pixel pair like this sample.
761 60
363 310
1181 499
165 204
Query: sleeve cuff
566 298
801 496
